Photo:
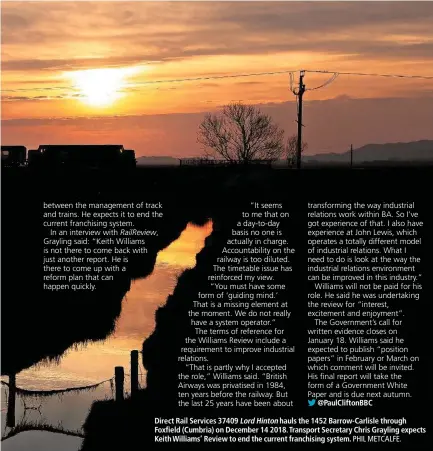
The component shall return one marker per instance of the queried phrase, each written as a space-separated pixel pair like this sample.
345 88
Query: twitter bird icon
311 402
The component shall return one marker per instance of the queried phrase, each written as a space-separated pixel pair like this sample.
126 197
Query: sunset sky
76 72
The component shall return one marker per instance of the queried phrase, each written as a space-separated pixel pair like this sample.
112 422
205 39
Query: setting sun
101 87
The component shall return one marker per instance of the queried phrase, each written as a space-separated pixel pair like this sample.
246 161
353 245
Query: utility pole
351 156
300 94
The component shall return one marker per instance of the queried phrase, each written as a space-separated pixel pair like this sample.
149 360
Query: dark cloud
165 31
14 98
68 64
12 21
35 81
326 16
353 49
250 83
29 99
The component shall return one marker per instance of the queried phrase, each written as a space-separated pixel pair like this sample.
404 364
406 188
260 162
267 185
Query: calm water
91 363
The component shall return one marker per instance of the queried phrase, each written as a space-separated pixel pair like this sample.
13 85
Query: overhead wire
291 73
327 82
174 80
421 77
216 77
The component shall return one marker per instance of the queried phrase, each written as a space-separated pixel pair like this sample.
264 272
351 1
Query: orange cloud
171 40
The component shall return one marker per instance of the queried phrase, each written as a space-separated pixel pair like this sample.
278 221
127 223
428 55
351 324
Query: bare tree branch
241 133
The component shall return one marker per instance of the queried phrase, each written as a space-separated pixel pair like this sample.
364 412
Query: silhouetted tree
241 133
291 150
